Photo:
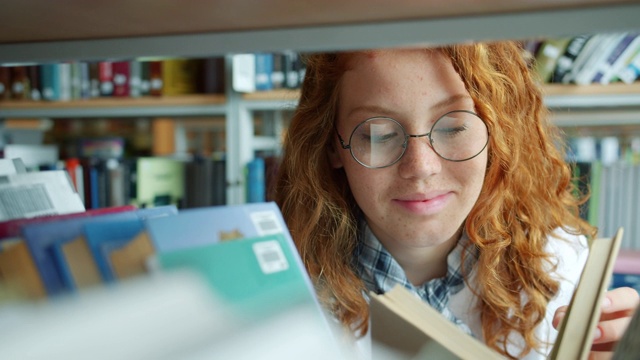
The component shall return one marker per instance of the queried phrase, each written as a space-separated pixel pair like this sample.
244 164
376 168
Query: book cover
105 235
629 73
50 81
597 59
212 75
121 77
158 181
156 85
135 78
18 272
402 322
20 87
243 75
618 58
256 276
255 175
105 78
33 72
42 193
5 83
179 76
263 72
565 62
547 57
39 234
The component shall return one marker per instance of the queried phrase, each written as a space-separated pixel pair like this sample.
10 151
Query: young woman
438 169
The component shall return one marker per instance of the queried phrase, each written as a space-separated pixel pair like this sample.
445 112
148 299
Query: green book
257 276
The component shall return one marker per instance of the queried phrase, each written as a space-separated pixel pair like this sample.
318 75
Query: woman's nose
419 159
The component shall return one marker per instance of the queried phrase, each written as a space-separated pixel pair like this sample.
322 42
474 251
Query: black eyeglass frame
405 144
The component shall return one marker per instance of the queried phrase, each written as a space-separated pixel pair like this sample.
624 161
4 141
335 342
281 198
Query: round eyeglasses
380 142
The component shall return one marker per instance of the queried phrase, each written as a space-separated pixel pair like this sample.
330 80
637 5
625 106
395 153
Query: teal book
245 251
255 276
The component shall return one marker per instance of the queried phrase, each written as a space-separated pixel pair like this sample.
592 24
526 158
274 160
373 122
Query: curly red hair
527 193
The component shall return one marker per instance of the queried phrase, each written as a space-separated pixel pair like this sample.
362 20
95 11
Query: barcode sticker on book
270 256
25 201
266 223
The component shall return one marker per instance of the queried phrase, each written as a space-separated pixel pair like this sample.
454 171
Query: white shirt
571 253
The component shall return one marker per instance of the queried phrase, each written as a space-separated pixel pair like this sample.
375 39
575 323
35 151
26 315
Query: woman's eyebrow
442 104
454 99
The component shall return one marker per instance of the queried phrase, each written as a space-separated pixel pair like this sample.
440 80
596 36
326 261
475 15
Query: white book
40 193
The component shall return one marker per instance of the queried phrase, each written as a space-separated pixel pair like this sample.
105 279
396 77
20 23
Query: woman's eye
382 138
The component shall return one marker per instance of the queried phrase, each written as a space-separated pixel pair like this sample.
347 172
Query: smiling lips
424 205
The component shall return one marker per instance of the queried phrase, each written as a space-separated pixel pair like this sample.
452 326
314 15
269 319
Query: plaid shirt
380 272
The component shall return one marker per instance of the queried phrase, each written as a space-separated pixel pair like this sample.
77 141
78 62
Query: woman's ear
334 157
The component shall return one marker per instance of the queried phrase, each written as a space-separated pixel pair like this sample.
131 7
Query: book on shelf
264 71
245 252
631 72
157 181
47 243
212 75
86 260
243 75
105 78
11 166
407 325
565 62
255 180
18 270
547 55
618 58
41 193
5 83
180 76
121 78
588 71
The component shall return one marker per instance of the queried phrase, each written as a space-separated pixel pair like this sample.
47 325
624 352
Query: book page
576 332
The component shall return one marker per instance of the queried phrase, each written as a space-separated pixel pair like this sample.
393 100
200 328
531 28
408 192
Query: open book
405 324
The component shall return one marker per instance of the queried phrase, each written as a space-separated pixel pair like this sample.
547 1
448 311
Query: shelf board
183 105
41 30
618 95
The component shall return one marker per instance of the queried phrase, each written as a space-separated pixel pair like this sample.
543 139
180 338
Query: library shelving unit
40 31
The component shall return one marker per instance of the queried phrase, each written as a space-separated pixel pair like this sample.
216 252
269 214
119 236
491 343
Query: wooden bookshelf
184 105
41 30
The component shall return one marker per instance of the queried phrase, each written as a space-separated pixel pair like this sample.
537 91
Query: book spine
618 57
121 76
632 71
156 85
565 62
34 83
5 83
255 180
20 88
264 69
50 80
135 78
105 77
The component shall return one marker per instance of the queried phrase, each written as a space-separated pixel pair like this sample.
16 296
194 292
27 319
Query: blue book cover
256 191
105 235
264 70
45 240
50 81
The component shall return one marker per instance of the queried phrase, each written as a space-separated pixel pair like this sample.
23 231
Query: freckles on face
422 199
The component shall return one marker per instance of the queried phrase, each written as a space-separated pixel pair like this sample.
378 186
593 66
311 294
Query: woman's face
422 200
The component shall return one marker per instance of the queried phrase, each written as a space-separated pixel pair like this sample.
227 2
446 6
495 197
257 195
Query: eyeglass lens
456 136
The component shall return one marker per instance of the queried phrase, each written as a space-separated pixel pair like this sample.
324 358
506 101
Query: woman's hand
617 309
